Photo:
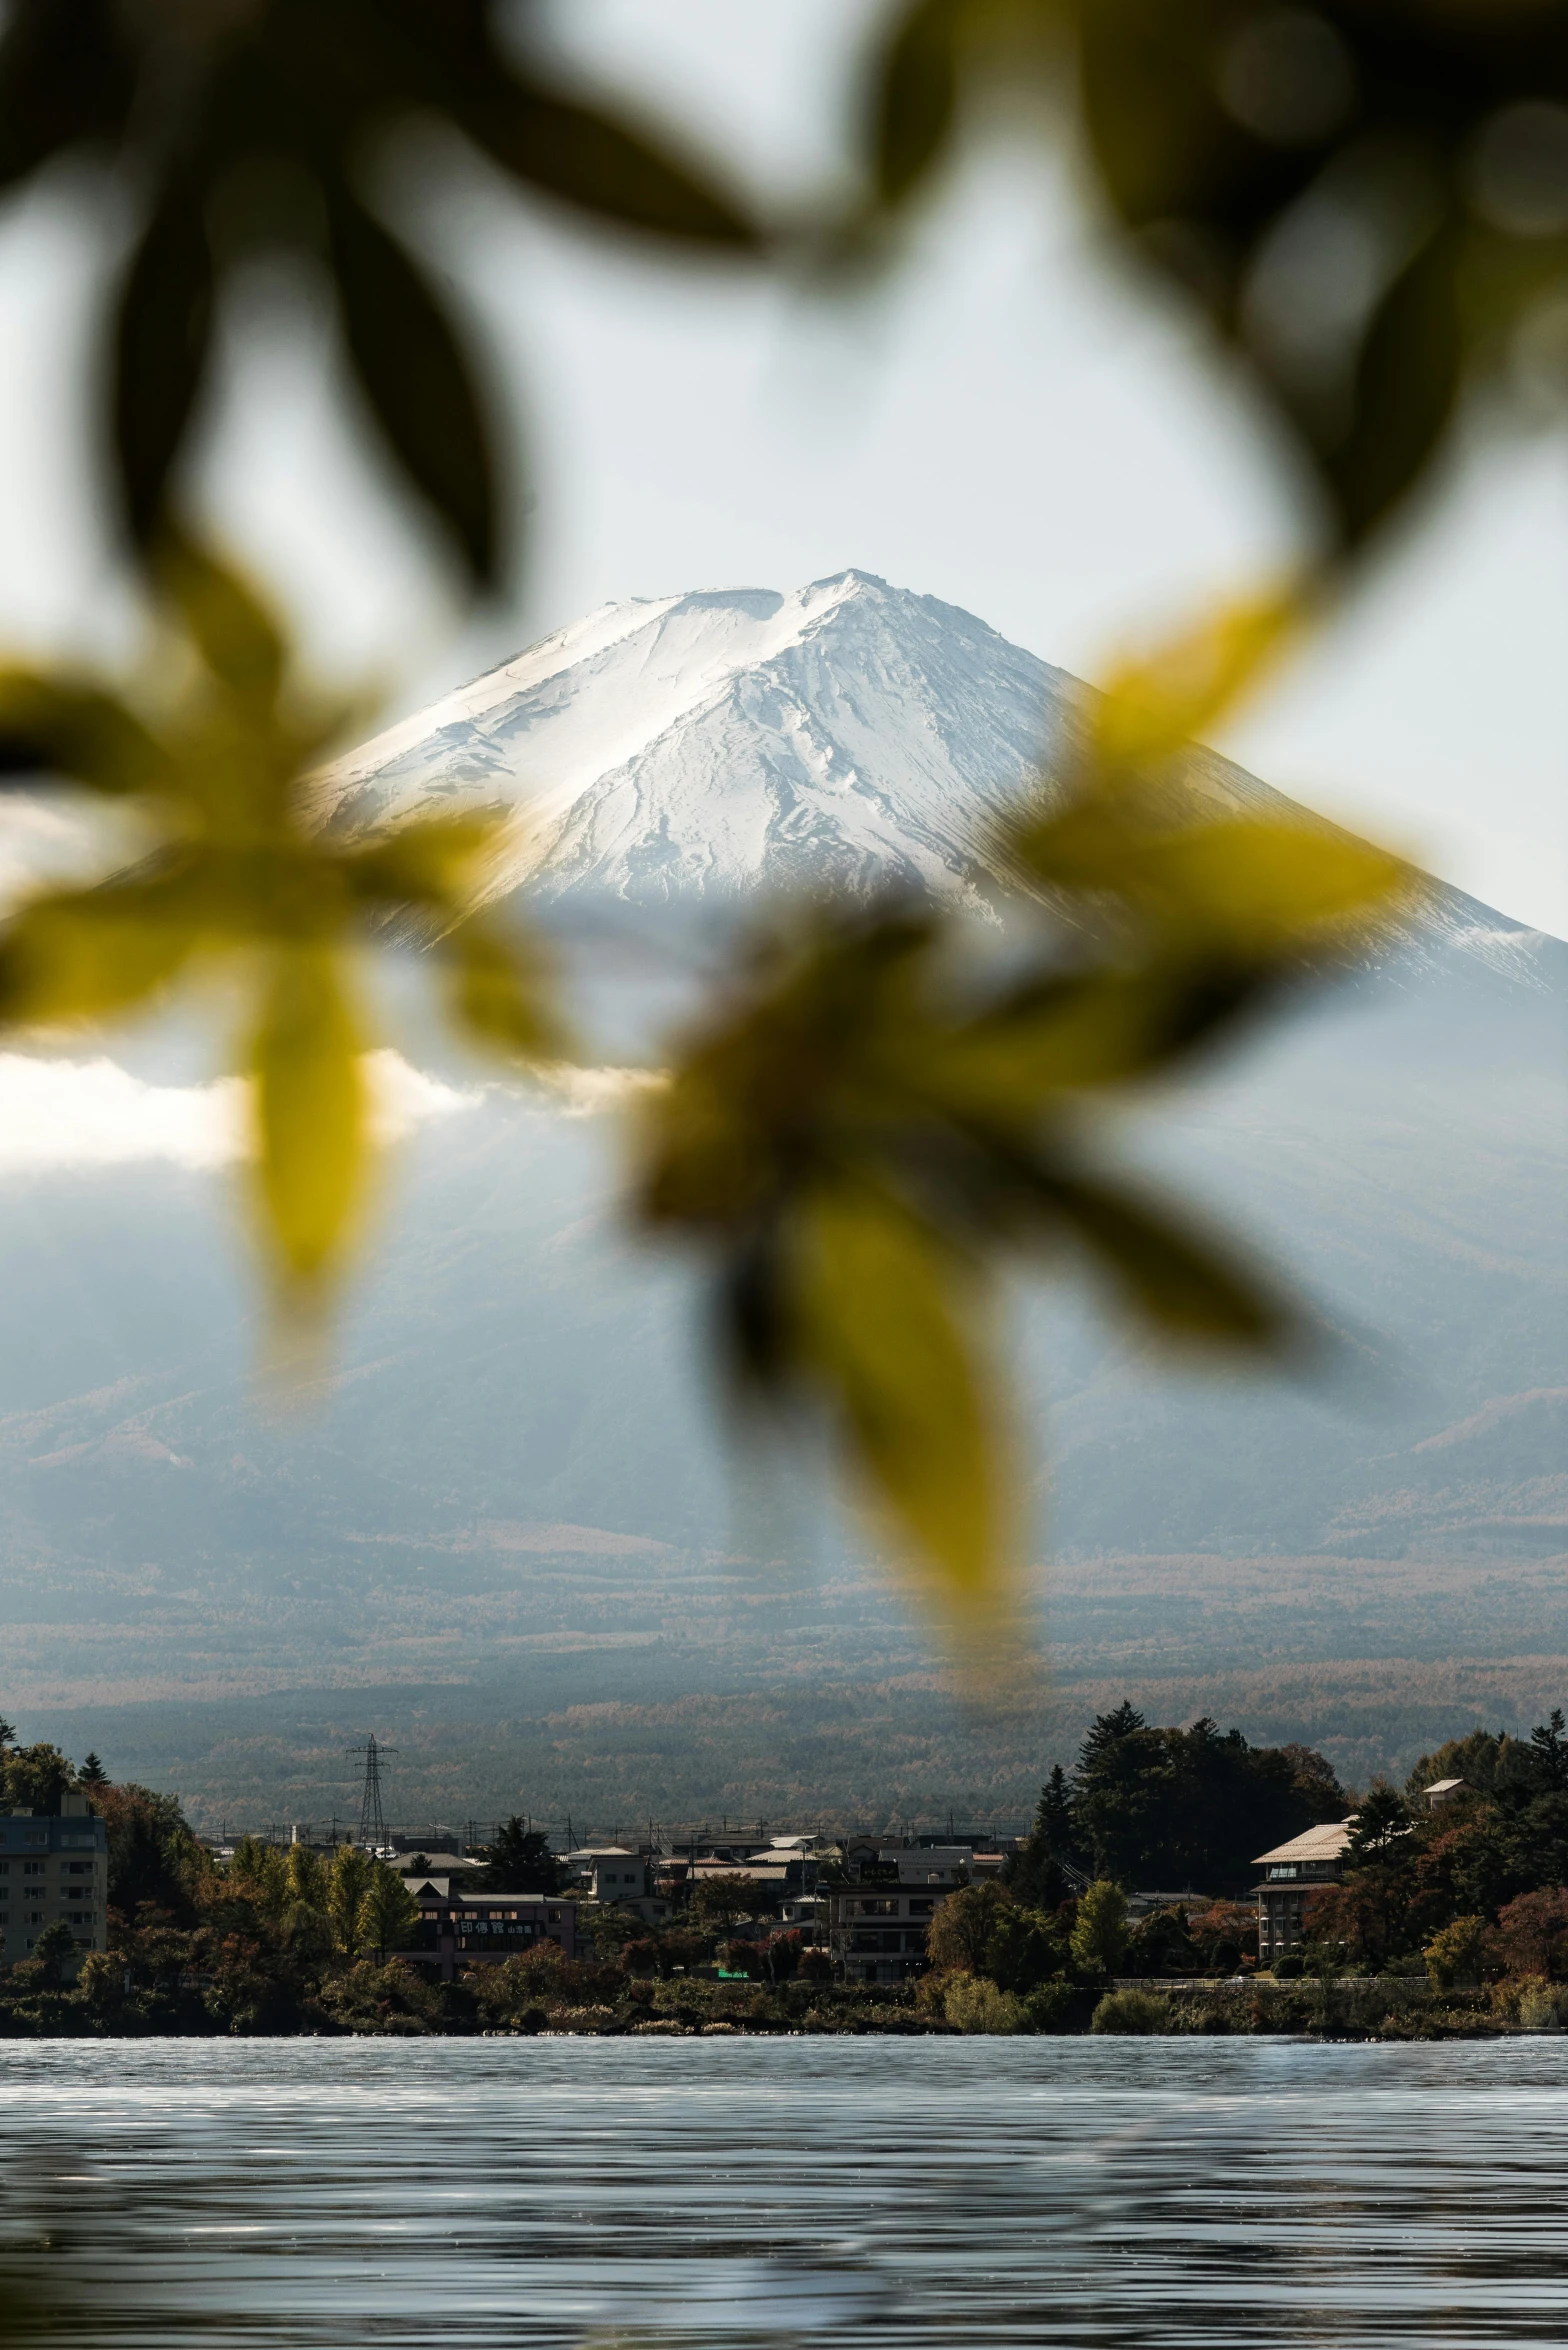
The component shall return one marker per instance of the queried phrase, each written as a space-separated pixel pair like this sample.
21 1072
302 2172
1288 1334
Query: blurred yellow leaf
232 629
1237 886
88 954
499 993
870 1118
1097 1029
216 741
311 1113
431 861
65 726
1153 707
880 1305
1260 887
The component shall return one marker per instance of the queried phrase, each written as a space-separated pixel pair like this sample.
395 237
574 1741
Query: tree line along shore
1445 1916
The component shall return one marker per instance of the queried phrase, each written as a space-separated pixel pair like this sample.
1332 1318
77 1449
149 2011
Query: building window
32 1868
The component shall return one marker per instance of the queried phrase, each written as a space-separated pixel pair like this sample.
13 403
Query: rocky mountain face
511 1485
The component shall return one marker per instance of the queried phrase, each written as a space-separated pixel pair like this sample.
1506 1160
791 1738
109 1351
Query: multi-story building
614 1877
877 1921
1290 1873
53 1868
484 1928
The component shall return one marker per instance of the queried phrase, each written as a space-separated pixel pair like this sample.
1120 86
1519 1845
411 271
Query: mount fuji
703 750
507 1516
706 746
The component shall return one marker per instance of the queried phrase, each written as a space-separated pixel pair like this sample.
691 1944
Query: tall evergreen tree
1114 1792
1037 1876
1549 1753
520 1861
1382 1821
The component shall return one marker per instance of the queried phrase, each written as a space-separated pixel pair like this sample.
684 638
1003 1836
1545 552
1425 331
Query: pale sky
1007 426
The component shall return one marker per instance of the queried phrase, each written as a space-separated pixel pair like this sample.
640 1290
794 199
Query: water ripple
1157 2195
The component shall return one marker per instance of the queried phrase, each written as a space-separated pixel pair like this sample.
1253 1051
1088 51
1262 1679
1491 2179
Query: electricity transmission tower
372 1819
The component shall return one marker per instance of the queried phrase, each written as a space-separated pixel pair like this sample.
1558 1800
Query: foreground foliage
260 132
234 888
865 1129
1367 200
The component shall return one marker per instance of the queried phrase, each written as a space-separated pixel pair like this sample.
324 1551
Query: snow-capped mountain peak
703 747
714 742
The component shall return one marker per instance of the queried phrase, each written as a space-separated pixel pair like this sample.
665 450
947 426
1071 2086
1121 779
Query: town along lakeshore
1180 1882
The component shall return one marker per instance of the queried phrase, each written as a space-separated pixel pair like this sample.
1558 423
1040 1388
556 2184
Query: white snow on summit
709 745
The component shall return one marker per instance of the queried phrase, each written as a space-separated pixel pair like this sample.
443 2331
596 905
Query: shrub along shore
585 1999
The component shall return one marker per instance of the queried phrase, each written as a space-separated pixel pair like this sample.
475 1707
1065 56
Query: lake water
1156 2192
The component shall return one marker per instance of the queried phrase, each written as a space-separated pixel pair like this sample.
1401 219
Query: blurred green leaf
418 382
238 874
917 97
163 335
238 130
311 1114
1247 149
1408 380
879 1305
602 166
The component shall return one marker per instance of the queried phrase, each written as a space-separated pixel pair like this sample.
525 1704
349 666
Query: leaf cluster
246 128
1368 199
869 1121
213 747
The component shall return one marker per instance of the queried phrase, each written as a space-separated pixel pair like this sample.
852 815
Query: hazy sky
1008 426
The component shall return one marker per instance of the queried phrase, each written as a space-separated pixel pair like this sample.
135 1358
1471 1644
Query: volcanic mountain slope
512 1479
706 745
707 748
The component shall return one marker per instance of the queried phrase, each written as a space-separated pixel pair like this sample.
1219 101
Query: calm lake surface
1155 2192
